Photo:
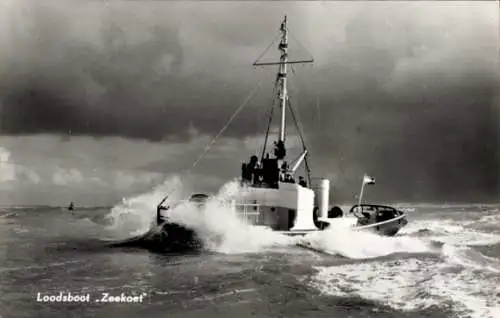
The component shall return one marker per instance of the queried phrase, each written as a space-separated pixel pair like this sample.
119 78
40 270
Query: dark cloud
435 135
131 79
407 92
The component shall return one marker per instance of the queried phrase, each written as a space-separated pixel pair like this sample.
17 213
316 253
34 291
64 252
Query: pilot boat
271 197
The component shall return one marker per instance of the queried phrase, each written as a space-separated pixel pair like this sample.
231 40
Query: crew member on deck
302 182
279 150
284 166
252 167
159 209
245 177
289 179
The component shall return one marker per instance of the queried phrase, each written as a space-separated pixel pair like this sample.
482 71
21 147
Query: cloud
28 175
117 180
131 179
7 169
406 90
63 177
12 172
125 69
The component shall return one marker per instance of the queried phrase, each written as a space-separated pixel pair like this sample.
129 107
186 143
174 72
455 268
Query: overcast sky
104 99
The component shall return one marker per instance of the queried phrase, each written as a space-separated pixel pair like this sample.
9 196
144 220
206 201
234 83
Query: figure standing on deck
289 178
302 182
250 171
279 150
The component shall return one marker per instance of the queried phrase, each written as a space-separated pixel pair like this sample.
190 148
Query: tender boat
270 196
382 219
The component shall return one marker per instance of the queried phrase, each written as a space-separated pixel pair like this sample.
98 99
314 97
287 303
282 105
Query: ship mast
283 47
280 150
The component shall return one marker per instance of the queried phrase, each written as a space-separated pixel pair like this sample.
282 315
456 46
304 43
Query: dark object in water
170 235
167 236
71 206
385 220
171 238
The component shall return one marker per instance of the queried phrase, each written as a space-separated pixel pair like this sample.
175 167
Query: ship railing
248 212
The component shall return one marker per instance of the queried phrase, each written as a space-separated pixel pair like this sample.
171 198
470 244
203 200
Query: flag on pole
368 180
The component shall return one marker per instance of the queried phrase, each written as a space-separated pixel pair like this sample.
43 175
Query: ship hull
390 229
290 217
176 237
167 237
386 228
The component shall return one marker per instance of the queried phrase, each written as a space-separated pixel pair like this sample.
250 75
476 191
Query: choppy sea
445 263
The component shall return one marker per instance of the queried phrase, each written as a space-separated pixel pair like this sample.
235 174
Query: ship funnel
321 188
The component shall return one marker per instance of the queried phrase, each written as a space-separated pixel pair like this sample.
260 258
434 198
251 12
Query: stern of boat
384 220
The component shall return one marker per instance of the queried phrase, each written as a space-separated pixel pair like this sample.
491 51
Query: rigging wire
310 55
271 112
267 49
295 90
240 108
299 127
301 139
214 139
264 116
267 132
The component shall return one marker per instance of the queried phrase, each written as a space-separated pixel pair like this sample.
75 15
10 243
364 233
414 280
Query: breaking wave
222 231
339 239
134 215
414 284
448 272
458 277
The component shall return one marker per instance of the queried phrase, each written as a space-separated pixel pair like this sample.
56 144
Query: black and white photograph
249 159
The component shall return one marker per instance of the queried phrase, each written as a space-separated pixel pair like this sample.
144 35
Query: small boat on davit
271 197
385 220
